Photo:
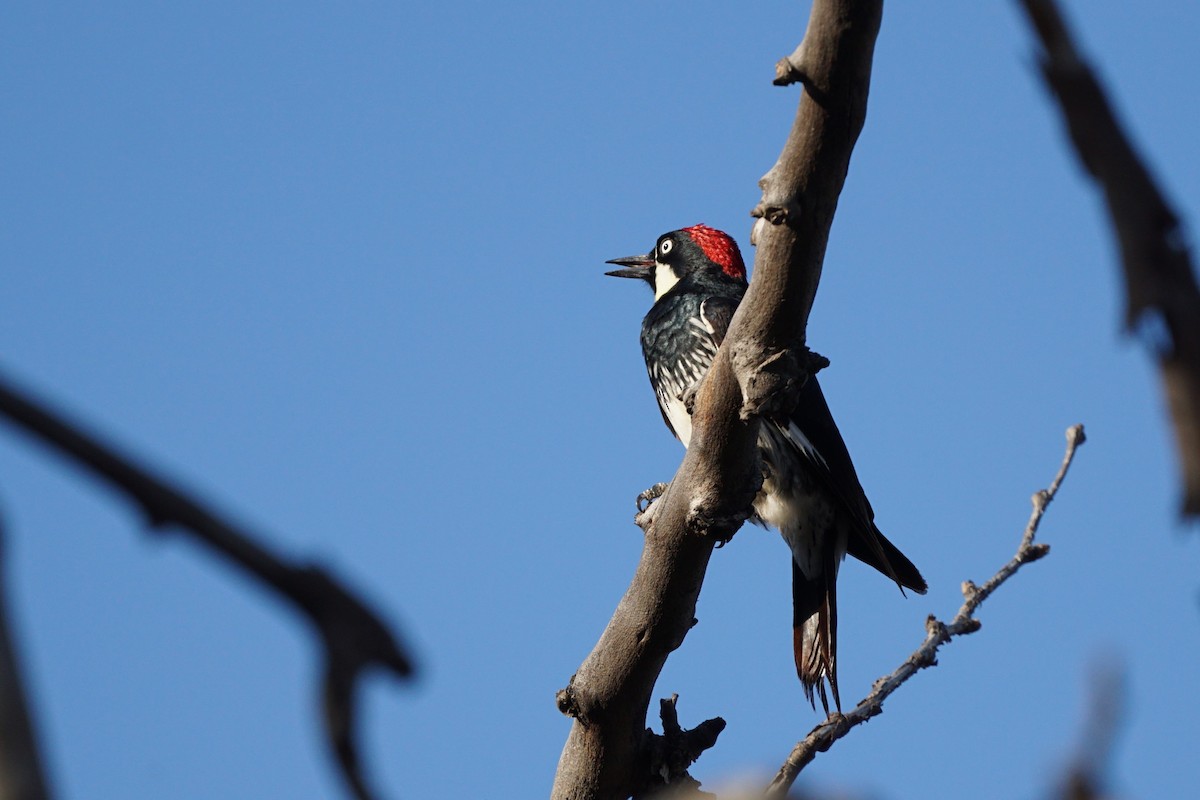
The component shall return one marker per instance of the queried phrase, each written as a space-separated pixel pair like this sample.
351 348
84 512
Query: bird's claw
650 495
689 399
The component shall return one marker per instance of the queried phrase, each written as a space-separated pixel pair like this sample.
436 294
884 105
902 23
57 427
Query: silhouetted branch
21 773
1089 775
353 636
937 633
677 749
1162 296
757 371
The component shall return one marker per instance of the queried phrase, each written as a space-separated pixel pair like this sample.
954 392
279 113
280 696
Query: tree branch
22 776
1091 773
937 633
353 636
757 371
1162 297
675 750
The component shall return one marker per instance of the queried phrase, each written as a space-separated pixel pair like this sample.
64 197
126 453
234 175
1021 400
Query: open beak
635 267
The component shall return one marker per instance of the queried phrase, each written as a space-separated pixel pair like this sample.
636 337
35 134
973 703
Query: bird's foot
645 505
722 538
650 495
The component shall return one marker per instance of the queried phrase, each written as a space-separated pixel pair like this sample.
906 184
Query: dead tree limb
354 638
1162 297
757 371
937 633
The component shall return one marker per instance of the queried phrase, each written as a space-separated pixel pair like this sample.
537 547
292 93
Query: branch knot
771 387
787 213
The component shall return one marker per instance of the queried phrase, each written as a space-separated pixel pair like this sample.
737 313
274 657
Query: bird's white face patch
664 279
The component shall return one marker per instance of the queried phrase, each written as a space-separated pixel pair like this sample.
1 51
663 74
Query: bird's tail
814 628
873 549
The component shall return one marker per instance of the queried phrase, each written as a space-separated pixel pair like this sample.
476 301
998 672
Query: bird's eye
665 247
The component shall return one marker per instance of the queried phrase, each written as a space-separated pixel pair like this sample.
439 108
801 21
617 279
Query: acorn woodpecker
810 491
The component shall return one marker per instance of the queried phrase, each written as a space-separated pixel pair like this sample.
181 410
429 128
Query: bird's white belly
804 518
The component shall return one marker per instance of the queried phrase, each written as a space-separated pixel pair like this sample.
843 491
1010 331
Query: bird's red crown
720 248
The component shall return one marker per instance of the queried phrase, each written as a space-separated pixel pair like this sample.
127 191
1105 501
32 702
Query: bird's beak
635 267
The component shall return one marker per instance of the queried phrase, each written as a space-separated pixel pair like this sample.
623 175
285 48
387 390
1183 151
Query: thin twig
354 638
937 634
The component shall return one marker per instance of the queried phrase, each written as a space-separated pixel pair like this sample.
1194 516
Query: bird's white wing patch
802 442
703 322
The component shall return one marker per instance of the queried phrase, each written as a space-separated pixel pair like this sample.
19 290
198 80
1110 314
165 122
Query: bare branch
354 638
1162 296
757 371
937 634
22 776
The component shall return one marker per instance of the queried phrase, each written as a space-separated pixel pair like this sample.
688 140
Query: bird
810 491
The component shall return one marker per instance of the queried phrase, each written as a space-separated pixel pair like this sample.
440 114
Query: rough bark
756 372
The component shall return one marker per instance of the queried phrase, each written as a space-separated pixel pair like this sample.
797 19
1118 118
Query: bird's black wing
716 313
814 423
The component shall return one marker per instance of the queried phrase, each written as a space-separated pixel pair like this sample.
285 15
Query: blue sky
339 268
